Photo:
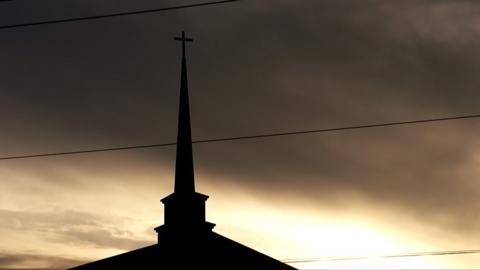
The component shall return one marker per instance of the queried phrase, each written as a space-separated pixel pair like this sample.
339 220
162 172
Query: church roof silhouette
186 239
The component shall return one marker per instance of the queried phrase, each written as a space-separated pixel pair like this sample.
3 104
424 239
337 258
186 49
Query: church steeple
186 240
184 175
184 208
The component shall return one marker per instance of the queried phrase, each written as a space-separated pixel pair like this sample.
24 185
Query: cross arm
184 39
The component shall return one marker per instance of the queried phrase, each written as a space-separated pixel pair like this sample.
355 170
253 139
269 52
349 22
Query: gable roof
209 251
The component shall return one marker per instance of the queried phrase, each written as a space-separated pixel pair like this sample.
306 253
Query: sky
255 67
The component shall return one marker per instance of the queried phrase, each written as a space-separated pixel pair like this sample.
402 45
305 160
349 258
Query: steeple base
177 234
184 216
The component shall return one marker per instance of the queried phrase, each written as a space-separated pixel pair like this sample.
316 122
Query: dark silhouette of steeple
184 208
186 239
184 176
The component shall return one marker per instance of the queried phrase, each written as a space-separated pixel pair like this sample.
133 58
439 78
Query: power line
404 255
95 17
341 128
88 151
422 121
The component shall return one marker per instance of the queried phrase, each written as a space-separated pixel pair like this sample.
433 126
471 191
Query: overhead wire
391 256
111 15
249 137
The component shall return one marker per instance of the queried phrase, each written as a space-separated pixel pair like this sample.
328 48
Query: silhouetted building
186 240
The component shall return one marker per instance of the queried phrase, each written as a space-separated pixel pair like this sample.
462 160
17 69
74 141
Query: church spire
184 172
184 208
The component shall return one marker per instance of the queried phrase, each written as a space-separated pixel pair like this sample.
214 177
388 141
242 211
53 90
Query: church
186 240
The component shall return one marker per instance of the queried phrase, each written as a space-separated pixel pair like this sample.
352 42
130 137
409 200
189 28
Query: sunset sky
255 67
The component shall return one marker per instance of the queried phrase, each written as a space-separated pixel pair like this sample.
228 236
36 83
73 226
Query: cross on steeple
183 39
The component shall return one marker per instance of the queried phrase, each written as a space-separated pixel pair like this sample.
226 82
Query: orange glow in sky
285 231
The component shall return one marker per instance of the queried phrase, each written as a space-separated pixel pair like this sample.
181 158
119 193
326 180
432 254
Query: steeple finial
183 39
184 175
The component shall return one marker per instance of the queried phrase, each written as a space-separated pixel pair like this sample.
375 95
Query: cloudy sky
255 67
